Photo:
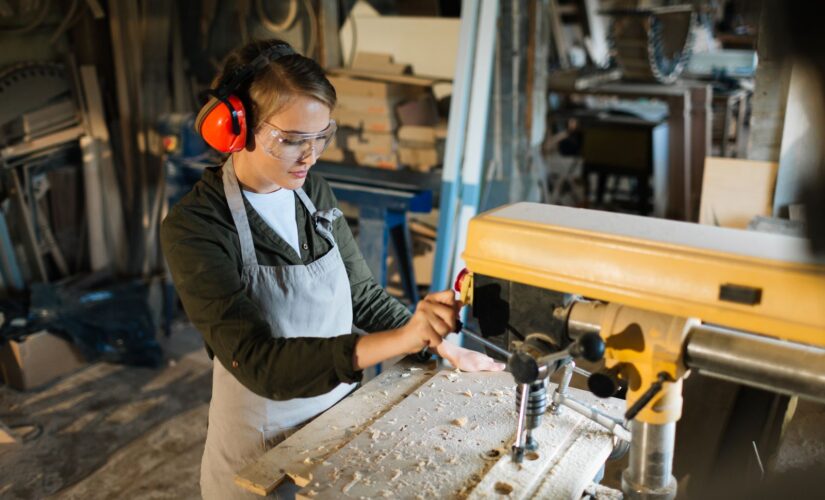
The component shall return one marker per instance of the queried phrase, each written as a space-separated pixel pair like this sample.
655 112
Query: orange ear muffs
222 121
222 124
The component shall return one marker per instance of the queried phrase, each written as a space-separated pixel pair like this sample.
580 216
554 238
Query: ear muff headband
222 121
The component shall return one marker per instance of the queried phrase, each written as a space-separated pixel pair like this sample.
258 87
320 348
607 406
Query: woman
268 271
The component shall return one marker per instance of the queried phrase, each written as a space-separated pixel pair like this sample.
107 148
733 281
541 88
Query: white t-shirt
278 210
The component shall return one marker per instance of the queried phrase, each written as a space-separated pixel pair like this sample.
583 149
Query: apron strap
236 206
323 218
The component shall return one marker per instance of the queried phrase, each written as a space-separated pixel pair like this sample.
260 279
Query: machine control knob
524 367
589 346
604 384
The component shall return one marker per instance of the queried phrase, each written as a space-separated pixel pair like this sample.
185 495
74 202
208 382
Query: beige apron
310 300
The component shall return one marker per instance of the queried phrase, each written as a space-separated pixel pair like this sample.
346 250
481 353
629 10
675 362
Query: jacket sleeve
208 281
373 309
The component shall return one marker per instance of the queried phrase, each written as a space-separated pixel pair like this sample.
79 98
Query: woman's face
302 115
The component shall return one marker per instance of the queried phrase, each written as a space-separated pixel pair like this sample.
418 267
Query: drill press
662 298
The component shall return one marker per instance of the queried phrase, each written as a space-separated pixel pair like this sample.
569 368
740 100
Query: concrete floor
110 431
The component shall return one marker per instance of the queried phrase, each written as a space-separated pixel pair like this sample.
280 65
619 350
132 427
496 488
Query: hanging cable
68 21
280 26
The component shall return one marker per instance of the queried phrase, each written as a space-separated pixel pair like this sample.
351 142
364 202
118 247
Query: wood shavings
467 393
405 374
356 476
312 493
415 369
375 434
460 421
395 475
440 448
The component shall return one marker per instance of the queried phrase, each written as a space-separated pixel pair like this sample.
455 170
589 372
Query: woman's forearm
377 347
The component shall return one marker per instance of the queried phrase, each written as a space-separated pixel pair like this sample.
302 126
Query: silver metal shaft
759 361
561 389
521 427
648 475
487 343
613 424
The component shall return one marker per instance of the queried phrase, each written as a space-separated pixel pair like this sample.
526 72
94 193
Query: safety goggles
293 146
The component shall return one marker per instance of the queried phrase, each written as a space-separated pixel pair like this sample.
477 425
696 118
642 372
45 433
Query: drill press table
414 432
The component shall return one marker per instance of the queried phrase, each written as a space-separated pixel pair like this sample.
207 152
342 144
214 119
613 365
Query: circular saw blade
28 86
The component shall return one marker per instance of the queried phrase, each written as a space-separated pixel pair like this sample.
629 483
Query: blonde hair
271 88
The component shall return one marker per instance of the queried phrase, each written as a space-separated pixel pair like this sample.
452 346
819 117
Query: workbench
415 432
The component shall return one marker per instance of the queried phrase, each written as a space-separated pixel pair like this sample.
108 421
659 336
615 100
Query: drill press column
645 349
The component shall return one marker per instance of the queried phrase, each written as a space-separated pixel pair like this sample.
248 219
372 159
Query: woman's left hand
467 360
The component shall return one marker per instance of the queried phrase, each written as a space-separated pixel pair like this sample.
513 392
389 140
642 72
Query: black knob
603 384
524 368
590 346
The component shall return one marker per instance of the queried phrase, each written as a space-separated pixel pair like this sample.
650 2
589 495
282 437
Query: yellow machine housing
756 282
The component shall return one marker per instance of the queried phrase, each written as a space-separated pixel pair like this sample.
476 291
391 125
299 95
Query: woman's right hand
435 316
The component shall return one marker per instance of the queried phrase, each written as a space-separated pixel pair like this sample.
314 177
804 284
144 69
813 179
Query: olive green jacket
202 249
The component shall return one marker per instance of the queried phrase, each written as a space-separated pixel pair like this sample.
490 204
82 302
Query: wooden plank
93 103
578 464
555 436
735 191
41 143
99 255
679 165
419 81
105 184
404 38
37 268
7 437
442 441
296 456
700 136
432 443
329 53
571 451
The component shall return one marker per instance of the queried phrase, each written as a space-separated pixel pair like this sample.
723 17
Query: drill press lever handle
645 398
